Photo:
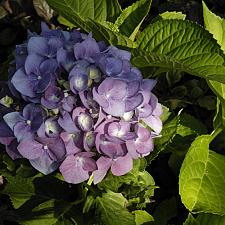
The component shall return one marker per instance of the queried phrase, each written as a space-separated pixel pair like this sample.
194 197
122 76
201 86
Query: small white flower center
128 116
120 133
137 141
45 147
66 94
39 77
80 160
28 122
79 83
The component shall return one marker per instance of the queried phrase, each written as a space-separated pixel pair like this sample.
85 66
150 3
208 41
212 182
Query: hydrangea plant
96 101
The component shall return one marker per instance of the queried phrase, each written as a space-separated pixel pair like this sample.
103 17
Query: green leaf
201 179
153 64
165 211
88 15
65 22
215 25
50 212
75 13
218 88
210 219
10 164
166 114
78 11
132 17
219 118
41 214
181 45
100 32
21 188
142 217
205 219
41 200
111 26
172 15
111 207
113 10
190 220
138 185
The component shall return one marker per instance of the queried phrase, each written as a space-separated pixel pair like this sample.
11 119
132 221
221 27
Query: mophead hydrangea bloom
85 109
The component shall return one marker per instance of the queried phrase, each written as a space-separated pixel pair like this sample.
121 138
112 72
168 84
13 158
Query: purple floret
77 168
117 97
45 154
25 124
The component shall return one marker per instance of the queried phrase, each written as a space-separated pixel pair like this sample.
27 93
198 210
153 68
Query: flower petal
12 119
33 63
12 150
22 83
30 149
23 131
44 164
133 102
37 45
73 171
154 122
122 165
67 123
103 164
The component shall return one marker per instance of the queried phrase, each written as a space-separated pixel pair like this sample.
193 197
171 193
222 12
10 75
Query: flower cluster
86 108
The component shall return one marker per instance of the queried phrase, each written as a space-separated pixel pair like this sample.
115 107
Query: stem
216 132
88 188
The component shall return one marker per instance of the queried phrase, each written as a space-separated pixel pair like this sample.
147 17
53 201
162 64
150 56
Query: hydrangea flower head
85 107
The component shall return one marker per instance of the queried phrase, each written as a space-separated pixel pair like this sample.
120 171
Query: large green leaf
210 219
181 45
40 199
50 212
21 189
111 208
202 180
215 25
205 219
91 16
132 17
77 11
43 213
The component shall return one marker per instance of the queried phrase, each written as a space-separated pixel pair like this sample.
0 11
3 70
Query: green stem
216 132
